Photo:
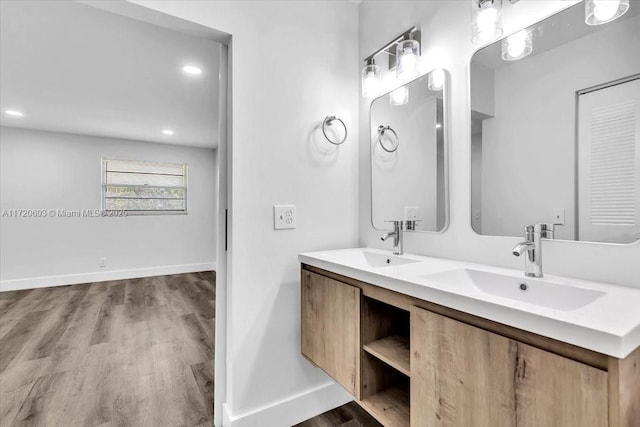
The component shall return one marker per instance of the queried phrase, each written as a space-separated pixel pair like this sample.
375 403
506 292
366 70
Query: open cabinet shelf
393 350
390 407
385 362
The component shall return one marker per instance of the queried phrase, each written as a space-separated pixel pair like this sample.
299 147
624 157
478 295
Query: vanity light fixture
517 46
14 113
403 53
168 132
192 69
435 80
399 96
370 79
486 20
598 12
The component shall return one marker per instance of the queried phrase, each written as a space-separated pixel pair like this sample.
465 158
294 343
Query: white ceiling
74 68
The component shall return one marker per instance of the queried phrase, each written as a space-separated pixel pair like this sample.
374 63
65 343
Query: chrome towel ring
328 121
392 138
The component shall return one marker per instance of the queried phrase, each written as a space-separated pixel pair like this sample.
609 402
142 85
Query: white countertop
608 325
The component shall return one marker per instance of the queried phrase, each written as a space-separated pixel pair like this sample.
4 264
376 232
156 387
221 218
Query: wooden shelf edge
389 407
393 350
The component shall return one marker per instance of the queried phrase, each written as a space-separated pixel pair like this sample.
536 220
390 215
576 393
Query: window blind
144 187
613 180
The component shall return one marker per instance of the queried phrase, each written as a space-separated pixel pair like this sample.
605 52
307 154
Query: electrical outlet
102 262
558 216
411 212
284 216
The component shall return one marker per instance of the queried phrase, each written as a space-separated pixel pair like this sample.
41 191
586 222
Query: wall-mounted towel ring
328 121
386 133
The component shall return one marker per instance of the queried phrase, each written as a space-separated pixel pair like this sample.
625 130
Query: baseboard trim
101 276
292 410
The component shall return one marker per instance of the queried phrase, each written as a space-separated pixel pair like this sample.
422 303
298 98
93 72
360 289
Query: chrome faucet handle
396 223
411 224
528 232
547 231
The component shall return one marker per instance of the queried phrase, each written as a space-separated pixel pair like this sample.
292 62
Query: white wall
47 170
446 35
293 64
482 80
476 181
535 130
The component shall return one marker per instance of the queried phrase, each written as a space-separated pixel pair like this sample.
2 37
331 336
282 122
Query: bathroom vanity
422 341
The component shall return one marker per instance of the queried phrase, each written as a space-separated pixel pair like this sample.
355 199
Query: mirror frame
469 154
446 114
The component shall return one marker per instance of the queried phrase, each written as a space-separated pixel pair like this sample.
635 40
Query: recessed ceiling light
167 132
192 69
14 113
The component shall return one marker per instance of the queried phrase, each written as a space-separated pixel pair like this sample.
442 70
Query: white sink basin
376 260
540 292
367 259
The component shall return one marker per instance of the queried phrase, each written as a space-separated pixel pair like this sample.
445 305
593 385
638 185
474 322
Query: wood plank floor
349 415
122 353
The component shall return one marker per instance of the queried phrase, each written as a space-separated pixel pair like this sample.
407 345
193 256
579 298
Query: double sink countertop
596 316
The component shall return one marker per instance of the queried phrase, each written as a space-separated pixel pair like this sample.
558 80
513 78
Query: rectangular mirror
555 134
409 155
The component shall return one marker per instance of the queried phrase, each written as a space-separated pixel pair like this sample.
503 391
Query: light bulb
604 10
370 86
192 69
408 62
517 46
599 12
486 24
370 81
407 53
435 81
399 96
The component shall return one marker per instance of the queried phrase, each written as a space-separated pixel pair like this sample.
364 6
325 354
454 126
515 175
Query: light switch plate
558 216
284 216
411 212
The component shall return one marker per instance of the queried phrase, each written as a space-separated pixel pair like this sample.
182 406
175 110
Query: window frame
103 195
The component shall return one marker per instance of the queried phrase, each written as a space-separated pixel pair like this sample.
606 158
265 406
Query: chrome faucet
532 247
397 237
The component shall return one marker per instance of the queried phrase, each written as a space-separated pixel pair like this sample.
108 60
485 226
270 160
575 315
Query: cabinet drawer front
331 328
464 376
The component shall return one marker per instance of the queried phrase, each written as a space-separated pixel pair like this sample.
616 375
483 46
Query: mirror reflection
408 155
556 129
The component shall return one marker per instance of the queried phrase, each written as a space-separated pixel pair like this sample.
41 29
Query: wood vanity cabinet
410 362
331 328
465 376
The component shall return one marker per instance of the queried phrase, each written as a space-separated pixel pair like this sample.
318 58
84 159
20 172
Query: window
144 187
